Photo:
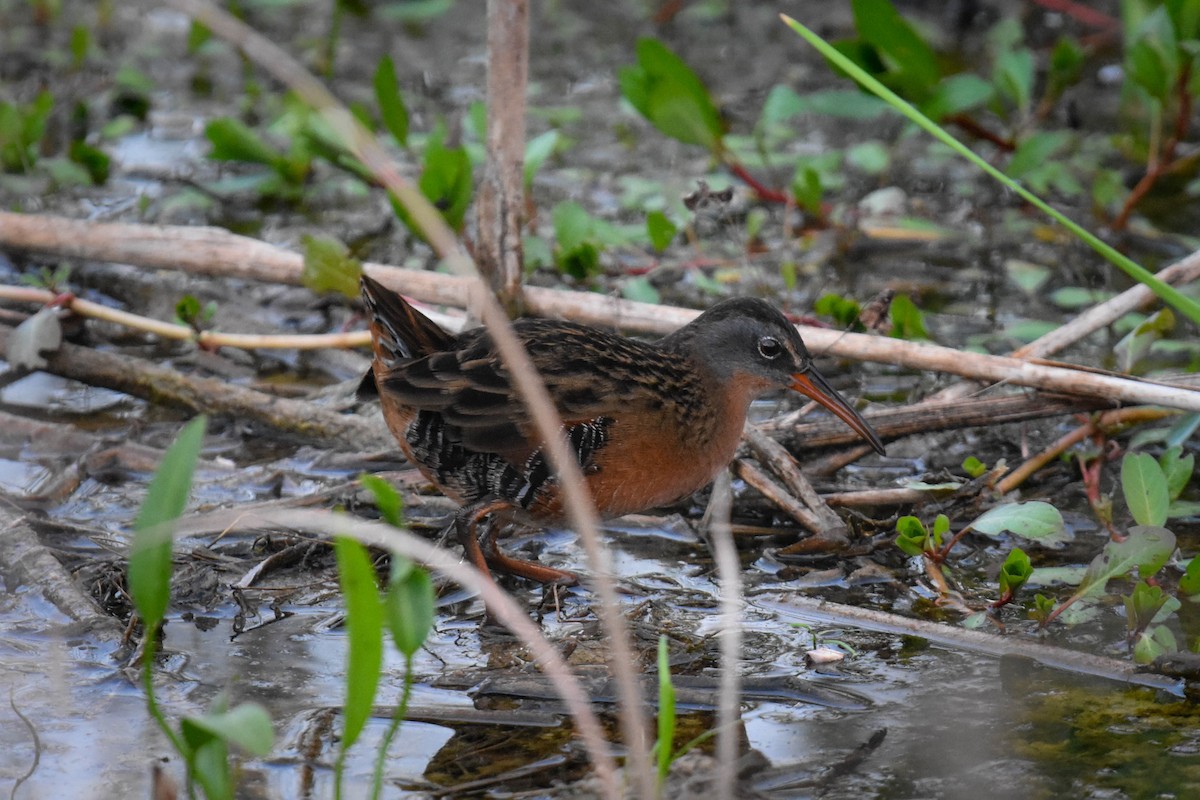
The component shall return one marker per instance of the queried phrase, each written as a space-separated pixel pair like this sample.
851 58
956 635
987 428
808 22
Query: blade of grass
1169 294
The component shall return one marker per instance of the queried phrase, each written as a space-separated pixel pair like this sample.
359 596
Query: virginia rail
650 422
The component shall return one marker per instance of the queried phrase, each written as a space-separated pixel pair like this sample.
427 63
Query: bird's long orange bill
812 384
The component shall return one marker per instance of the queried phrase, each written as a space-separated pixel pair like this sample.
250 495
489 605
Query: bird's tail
398 331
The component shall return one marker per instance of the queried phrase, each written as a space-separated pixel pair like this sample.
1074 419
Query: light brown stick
212 251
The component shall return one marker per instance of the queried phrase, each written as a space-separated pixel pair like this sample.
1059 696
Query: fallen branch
213 251
157 384
25 561
970 640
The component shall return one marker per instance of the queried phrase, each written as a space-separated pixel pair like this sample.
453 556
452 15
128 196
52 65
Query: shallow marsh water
958 724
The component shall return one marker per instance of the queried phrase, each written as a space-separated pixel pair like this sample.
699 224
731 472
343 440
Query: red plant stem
1161 163
973 127
1079 12
764 192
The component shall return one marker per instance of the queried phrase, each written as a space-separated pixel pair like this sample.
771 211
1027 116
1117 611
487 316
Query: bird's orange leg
485 553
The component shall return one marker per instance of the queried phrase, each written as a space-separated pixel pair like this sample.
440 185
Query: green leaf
233 141
907 320
166 497
1035 521
973 466
1152 57
387 499
783 104
1189 584
1182 430
665 90
392 110
1029 277
364 631
843 310
640 288
247 725
1145 488
1178 470
1146 549
92 159
1153 643
660 230
329 267
408 605
537 150
1013 76
1035 151
1142 604
958 94
911 536
910 61
666 711
1134 345
870 157
446 180
1015 570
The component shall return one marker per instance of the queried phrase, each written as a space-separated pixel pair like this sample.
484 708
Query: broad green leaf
665 90
1189 584
1142 604
364 632
408 605
166 497
1015 571
910 61
870 157
843 309
660 229
1029 277
1182 430
973 466
958 94
1013 76
233 141
247 725
1178 470
1035 520
1035 150
387 499
911 536
446 179
391 102
783 104
907 320
537 150
1134 346
329 267
1152 59
209 766
1153 643
1146 549
1145 488
640 288
1048 576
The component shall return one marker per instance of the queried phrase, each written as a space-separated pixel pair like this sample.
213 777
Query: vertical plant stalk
500 198
397 718
581 511
729 571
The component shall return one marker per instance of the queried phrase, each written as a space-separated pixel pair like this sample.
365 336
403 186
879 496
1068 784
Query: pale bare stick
264 262
961 638
152 382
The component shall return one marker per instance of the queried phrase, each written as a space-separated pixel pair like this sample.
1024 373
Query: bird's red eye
769 348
